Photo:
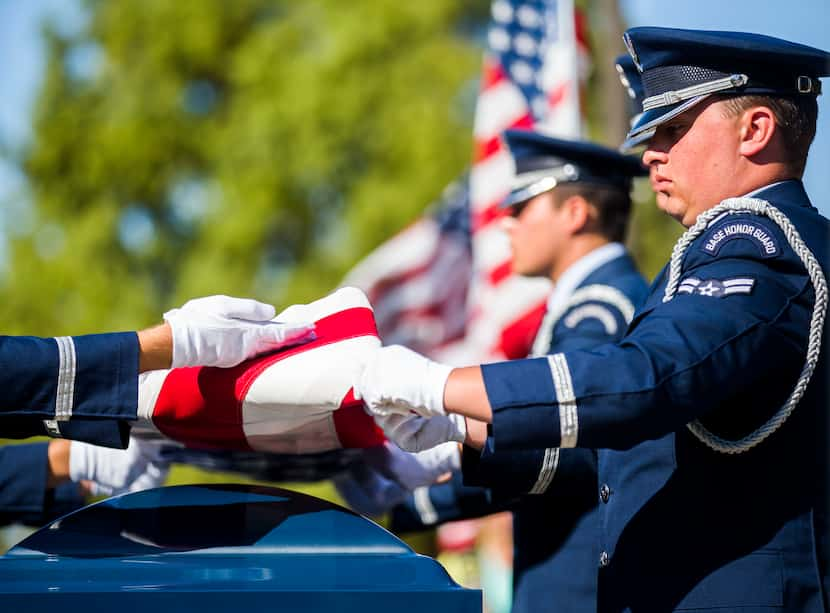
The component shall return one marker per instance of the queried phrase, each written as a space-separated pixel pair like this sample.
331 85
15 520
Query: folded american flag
296 401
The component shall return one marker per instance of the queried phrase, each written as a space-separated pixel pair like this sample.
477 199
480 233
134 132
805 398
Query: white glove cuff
459 434
436 380
79 461
182 356
442 459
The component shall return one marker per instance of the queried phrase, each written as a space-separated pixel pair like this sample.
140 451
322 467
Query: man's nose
652 156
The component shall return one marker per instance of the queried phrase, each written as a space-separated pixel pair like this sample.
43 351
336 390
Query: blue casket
210 548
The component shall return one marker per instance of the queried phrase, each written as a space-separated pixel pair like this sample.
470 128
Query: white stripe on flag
413 247
490 180
492 245
498 106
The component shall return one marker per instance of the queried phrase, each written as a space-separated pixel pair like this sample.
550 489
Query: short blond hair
796 118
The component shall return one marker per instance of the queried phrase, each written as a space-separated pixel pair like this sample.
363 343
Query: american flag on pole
531 79
418 282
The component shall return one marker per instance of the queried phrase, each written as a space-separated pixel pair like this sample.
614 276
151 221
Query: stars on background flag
531 79
428 292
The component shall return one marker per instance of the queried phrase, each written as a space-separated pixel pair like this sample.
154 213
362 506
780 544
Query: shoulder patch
716 288
727 229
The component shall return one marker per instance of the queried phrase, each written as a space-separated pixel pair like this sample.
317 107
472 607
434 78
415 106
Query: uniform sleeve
518 472
24 497
429 506
67 379
703 352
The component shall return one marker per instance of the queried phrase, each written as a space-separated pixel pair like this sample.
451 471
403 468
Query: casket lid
219 546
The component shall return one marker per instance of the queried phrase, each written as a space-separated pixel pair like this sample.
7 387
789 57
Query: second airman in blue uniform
570 209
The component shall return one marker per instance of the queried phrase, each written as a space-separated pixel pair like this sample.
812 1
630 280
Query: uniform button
604 559
604 492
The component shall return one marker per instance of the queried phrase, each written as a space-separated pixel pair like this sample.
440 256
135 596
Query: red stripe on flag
557 94
500 272
525 122
202 406
516 340
487 147
198 407
392 282
581 29
487 216
355 429
491 73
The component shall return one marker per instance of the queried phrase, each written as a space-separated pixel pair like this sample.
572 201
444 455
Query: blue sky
804 21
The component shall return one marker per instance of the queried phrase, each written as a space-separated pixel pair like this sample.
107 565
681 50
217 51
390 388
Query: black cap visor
651 119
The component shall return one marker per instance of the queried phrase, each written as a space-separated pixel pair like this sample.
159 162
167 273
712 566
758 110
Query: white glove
367 492
413 470
116 471
398 380
415 433
389 474
224 331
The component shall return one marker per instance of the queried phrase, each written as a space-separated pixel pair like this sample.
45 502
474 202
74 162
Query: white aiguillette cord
759 207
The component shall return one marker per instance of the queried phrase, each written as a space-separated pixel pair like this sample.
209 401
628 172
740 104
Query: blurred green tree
254 147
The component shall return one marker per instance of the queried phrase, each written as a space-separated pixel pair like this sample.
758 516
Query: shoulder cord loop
759 207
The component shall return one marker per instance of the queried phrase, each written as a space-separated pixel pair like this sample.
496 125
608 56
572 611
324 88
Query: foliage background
250 148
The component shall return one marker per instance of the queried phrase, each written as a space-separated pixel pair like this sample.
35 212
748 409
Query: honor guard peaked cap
543 162
680 68
633 84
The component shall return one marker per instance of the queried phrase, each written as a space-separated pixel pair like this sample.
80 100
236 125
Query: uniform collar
787 194
788 191
579 271
755 192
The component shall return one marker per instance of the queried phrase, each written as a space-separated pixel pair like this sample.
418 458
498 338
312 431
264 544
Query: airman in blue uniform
710 415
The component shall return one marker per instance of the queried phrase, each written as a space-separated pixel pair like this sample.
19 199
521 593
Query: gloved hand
368 492
388 474
396 380
413 470
415 433
224 331
116 471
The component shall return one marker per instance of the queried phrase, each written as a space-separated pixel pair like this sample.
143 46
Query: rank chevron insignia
716 288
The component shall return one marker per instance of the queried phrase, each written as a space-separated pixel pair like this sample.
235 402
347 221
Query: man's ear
757 128
578 213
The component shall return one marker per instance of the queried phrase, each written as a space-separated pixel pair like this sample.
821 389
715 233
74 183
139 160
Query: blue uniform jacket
23 494
683 526
555 528
83 388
